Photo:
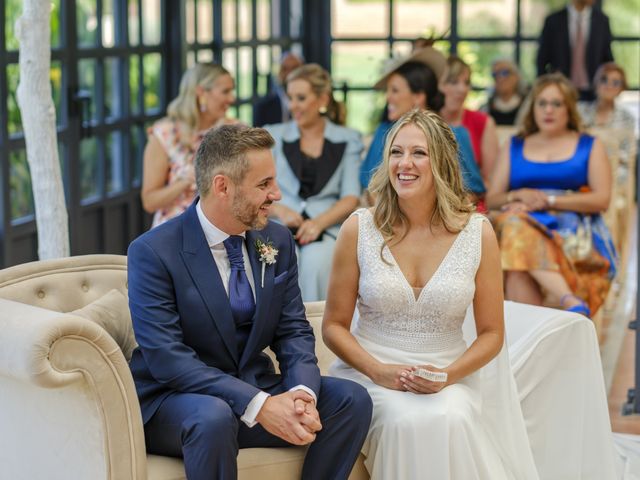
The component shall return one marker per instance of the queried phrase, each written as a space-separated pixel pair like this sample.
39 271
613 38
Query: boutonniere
267 254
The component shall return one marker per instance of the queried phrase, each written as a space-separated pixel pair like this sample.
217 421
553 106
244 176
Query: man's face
289 63
580 4
253 196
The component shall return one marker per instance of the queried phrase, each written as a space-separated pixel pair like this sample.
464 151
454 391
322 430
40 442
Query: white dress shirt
215 237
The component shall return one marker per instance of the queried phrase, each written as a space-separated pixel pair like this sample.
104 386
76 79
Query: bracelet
551 200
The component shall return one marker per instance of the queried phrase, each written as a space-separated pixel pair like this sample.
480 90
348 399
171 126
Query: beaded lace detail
389 312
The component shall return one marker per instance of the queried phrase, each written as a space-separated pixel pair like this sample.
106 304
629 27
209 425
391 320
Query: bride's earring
202 105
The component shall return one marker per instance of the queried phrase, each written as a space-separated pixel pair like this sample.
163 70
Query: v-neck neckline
408 287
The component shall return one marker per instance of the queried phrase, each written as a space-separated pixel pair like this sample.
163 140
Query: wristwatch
551 200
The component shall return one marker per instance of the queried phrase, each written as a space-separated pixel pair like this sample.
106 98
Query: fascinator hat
429 56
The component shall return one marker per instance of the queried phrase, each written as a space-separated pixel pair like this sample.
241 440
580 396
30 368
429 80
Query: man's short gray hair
223 151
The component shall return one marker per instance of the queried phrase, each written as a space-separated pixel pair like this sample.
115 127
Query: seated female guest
317 162
455 84
168 182
508 93
413 264
411 83
610 81
552 182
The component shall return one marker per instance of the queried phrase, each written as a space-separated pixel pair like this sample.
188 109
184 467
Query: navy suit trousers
205 432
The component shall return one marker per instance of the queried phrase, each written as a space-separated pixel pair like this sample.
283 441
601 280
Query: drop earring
322 110
202 106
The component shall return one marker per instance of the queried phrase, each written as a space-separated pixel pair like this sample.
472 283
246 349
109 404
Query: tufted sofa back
64 284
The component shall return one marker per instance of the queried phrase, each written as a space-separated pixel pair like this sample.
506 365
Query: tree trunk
39 125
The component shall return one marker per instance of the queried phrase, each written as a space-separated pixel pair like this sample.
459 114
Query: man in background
274 107
575 41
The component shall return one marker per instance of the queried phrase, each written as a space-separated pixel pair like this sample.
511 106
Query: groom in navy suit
208 291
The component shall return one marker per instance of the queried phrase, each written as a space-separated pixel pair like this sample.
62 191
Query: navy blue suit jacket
267 110
554 50
185 329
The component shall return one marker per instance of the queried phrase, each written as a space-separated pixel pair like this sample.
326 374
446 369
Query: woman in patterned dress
168 182
552 182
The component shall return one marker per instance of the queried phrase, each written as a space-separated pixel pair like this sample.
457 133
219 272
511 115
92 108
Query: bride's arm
341 302
488 310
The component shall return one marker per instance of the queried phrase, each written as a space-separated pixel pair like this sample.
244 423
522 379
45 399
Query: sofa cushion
111 312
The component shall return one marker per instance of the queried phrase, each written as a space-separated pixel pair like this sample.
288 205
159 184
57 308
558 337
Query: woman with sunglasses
551 183
610 81
508 93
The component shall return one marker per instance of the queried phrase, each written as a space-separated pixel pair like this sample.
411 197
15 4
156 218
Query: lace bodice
390 314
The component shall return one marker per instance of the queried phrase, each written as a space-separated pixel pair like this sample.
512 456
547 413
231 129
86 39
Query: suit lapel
263 293
206 277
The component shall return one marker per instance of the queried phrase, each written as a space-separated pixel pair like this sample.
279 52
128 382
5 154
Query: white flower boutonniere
267 254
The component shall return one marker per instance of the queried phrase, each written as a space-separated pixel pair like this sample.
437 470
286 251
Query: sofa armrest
57 366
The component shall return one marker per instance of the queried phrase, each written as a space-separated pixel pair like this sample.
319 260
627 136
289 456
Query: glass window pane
15 119
55 75
245 77
624 17
528 53
348 23
87 81
151 75
263 20
190 21
136 141
244 20
229 24
21 195
364 110
112 94
358 64
246 113
487 18
56 35
89 172
114 162
420 19
205 21
151 23
263 68
134 84
133 19
627 54
479 57
108 31
205 55
229 61
86 23
533 13
191 59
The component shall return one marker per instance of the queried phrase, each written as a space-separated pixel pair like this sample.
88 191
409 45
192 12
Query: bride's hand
389 375
414 383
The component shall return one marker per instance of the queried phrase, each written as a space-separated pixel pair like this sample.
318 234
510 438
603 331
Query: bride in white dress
414 263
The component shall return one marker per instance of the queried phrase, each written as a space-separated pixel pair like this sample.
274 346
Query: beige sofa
68 407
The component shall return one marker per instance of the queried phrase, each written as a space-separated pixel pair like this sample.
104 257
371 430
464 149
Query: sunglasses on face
614 82
502 73
555 104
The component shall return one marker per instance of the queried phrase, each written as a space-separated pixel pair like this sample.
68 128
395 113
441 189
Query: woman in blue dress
317 161
411 83
551 183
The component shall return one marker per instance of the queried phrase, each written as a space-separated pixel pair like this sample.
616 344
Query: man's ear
220 185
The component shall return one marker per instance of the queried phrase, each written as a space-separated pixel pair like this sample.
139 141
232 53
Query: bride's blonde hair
452 207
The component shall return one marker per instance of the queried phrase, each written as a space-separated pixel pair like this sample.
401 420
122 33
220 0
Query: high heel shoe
580 308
